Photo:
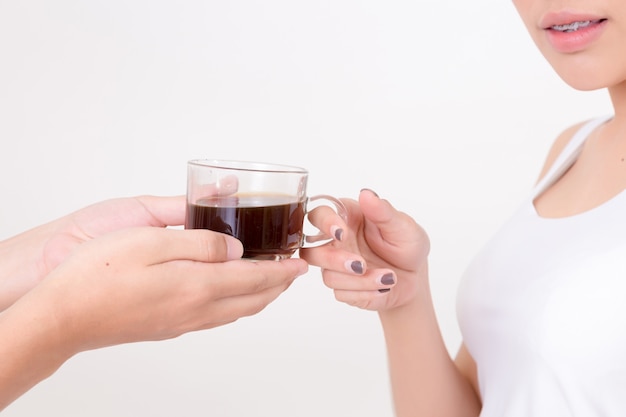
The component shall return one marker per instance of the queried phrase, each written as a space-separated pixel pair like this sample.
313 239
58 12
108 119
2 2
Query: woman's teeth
572 27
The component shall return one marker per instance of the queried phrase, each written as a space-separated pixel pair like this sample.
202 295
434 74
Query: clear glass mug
263 205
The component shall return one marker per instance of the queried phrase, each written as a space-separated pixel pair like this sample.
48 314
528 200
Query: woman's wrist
35 344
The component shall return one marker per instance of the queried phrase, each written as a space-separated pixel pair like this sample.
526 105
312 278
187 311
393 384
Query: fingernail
234 248
303 269
337 232
355 266
371 191
383 290
388 279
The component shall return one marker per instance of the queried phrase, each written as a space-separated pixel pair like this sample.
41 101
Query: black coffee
269 226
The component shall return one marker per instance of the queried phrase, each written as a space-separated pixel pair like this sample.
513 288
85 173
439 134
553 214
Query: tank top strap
568 155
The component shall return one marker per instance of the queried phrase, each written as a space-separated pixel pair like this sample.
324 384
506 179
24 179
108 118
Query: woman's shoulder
558 145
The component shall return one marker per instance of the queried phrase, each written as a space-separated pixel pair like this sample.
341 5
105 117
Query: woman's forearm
424 378
32 348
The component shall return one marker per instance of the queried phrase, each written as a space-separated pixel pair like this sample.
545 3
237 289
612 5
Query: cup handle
321 237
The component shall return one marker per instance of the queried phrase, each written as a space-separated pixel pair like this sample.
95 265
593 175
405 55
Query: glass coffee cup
263 205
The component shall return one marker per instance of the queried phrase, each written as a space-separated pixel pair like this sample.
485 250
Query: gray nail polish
357 267
387 279
338 234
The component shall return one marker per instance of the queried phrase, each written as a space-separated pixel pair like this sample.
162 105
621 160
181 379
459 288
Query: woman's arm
381 265
136 284
425 380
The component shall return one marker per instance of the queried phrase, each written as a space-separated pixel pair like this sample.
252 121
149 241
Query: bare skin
112 273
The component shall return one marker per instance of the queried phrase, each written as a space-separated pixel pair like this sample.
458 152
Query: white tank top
542 309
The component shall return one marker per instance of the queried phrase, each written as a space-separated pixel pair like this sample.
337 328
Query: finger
334 258
367 300
393 227
328 221
224 186
380 280
229 309
244 277
380 212
165 211
121 213
153 245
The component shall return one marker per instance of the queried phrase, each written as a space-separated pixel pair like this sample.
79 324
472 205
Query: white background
443 107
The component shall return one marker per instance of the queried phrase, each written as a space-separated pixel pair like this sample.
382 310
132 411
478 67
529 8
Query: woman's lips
569 33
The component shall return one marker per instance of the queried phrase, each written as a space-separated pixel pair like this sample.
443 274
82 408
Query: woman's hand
108 216
381 259
28 257
150 284
135 284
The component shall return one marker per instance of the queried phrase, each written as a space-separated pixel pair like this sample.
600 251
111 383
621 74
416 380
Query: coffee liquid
269 226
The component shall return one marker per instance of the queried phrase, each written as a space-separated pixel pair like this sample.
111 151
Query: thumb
393 228
153 245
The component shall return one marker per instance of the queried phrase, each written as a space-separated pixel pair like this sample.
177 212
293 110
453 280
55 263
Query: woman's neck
618 98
